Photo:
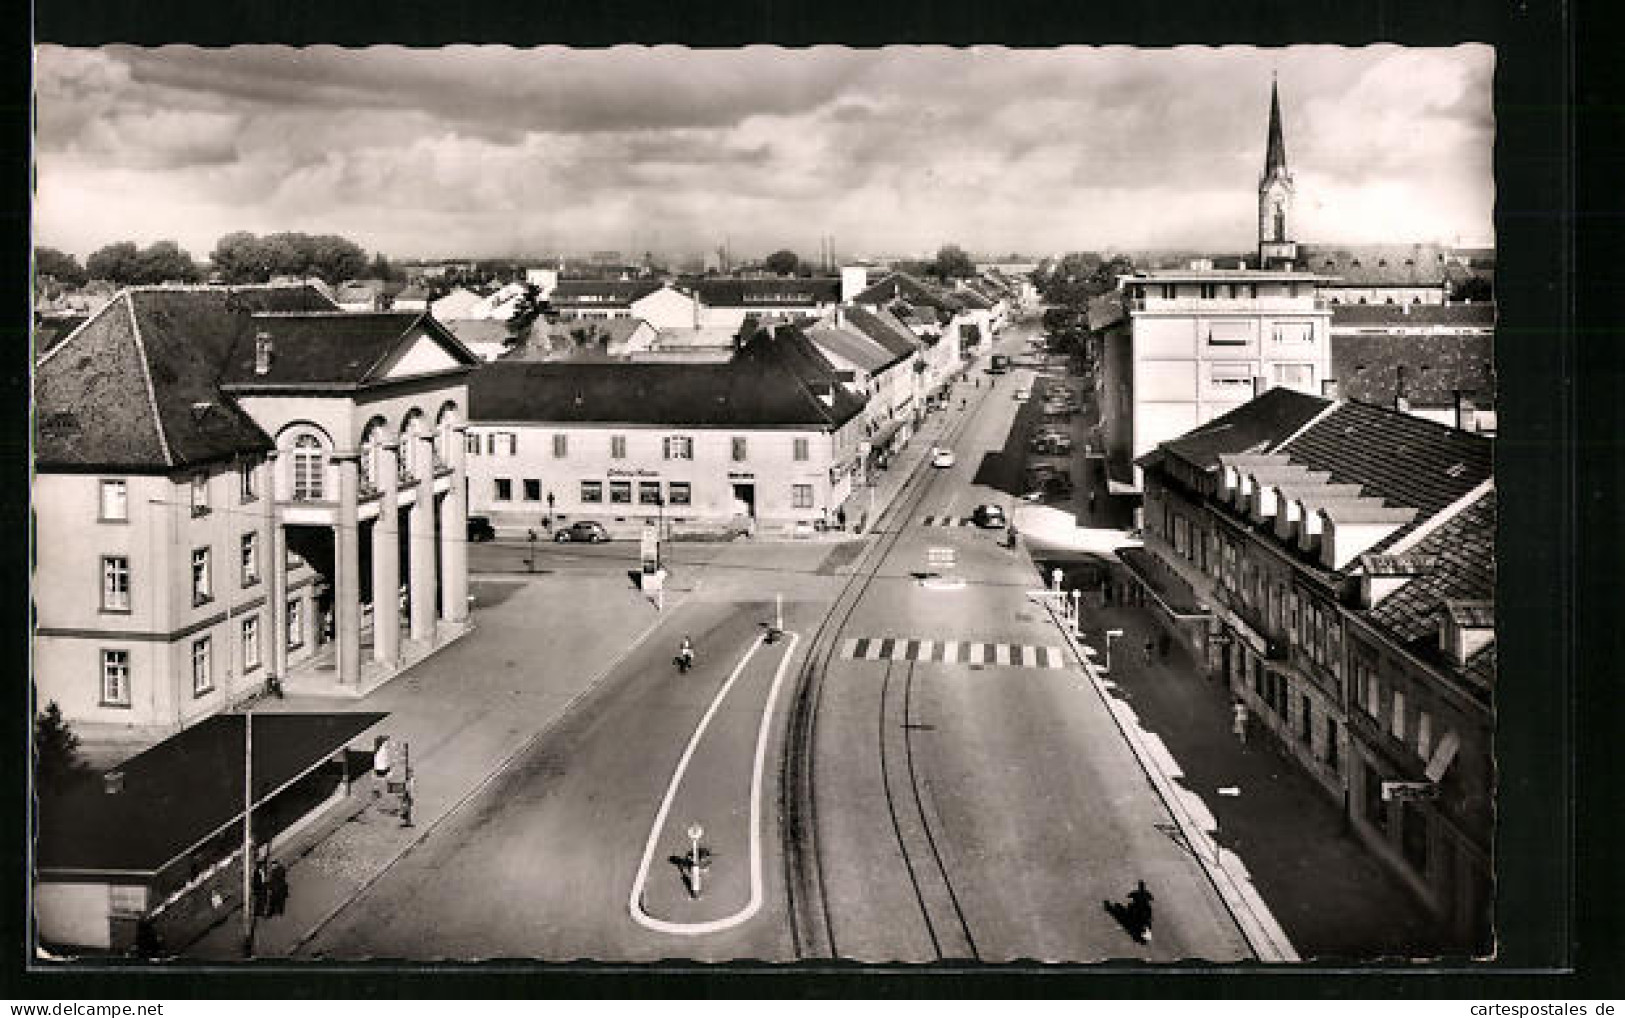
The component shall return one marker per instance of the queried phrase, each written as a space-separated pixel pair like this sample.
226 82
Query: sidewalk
1332 899
464 713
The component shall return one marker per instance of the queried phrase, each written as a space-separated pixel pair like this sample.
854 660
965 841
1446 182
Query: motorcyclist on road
685 654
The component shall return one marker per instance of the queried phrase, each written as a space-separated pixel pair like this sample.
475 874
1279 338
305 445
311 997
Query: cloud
463 150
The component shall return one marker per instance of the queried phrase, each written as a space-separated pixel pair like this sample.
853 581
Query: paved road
982 810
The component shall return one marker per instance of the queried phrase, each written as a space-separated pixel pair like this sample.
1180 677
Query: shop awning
183 791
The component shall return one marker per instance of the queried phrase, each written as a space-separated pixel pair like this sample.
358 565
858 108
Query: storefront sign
741 475
639 472
1408 791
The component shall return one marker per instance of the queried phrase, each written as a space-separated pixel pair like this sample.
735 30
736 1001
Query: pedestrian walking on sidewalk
257 889
1139 912
381 766
840 518
276 890
1238 711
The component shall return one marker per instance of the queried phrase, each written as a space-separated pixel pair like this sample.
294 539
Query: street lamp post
660 527
1110 635
549 524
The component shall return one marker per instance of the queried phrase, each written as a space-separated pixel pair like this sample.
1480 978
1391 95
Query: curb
1264 935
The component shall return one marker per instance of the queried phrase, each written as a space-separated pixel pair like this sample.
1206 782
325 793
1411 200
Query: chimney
1400 402
1260 385
1465 628
113 782
1328 388
262 353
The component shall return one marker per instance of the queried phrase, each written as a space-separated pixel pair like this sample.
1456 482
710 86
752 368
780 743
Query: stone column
347 566
276 576
454 530
420 533
386 559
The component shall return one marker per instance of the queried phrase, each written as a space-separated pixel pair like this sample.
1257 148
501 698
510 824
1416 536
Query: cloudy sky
495 151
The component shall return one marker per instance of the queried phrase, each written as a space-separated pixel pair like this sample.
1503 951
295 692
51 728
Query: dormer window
200 494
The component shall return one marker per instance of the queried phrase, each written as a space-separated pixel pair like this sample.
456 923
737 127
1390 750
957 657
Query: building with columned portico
235 484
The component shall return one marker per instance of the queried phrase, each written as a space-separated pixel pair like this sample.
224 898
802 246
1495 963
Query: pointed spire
1275 156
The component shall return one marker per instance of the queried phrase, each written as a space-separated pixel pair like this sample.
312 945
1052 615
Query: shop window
620 492
680 493
649 493
592 492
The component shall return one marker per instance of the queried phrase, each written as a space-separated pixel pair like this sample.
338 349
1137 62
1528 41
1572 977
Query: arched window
409 445
309 469
372 451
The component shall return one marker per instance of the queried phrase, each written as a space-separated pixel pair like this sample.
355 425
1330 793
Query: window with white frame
620 492
296 623
251 558
472 443
251 642
1231 375
116 678
678 447
115 503
592 492
649 493
115 583
617 447
247 481
202 666
309 470
799 449
680 493
561 446
200 494
202 583
801 496
1294 376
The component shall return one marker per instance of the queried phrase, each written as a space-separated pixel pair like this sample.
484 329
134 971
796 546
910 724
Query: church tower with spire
1276 248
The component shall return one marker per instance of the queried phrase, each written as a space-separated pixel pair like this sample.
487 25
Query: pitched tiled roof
1475 316
1105 310
770 383
886 329
49 330
902 286
720 292
1368 367
138 386
1463 553
1376 264
601 293
1403 459
338 348
853 347
1259 425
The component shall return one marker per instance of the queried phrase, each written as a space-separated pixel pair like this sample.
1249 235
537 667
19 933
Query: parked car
988 517
943 458
589 531
480 529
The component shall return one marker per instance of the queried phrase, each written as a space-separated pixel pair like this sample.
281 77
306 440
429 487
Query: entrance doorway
744 501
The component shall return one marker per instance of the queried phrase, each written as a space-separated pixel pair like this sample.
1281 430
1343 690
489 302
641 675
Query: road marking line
1001 653
635 903
850 648
926 649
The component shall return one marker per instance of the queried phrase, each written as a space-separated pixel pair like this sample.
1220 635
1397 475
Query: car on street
588 531
1052 443
480 529
942 458
988 516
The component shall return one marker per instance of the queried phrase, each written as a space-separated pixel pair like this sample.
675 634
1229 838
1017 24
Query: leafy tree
952 263
57 763
64 268
244 258
782 262
527 309
116 262
382 268
240 258
124 263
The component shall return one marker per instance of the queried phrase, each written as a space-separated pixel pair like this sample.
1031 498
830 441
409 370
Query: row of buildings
234 483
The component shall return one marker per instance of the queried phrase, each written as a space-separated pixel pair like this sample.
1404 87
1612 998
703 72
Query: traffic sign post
695 831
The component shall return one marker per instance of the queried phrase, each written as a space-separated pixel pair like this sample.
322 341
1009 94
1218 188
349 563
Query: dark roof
601 293
1368 367
1259 425
337 348
1105 310
884 328
137 386
1463 551
766 293
185 789
1403 459
854 346
902 286
1376 264
49 330
1477 316
769 383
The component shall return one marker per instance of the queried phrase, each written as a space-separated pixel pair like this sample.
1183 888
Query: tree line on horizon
238 257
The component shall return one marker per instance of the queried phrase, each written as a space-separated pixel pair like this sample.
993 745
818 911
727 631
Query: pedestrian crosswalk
964 652
945 521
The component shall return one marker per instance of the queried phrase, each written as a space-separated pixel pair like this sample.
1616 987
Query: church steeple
1275 244
1275 157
